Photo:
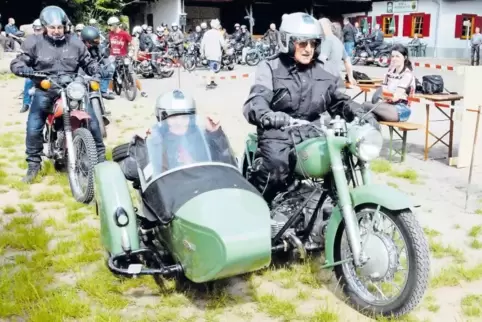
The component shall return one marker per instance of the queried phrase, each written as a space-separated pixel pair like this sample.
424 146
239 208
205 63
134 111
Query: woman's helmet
53 16
90 35
113 21
298 26
79 27
172 103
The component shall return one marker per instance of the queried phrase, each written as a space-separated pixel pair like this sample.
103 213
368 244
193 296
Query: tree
100 10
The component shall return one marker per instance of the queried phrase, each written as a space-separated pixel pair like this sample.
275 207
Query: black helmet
53 15
91 35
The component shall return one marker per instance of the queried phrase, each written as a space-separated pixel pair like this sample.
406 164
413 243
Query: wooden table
440 101
366 87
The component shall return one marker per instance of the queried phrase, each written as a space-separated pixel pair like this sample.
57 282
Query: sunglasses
303 44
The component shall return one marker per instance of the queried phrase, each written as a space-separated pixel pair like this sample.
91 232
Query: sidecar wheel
383 271
120 152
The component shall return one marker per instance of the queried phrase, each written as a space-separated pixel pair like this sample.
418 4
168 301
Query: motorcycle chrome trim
69 141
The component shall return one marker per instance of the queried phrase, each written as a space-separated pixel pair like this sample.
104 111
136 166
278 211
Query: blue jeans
214 66
108 71
39 110
349 46
404 112
27 98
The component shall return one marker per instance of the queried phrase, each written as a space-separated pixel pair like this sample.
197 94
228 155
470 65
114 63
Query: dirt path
51 260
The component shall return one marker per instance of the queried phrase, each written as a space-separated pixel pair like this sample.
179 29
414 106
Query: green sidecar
197 215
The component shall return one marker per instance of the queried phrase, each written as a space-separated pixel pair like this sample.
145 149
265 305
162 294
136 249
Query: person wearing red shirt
119 39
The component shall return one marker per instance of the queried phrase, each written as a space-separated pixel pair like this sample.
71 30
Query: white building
440 23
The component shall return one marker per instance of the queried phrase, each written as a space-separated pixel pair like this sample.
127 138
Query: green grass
275 307
26 208
475 231
8 210
380 166
49 196
24 237
475 244
440 250
408 174
472 305
454 274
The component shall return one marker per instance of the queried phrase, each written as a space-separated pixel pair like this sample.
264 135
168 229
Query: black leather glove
275 120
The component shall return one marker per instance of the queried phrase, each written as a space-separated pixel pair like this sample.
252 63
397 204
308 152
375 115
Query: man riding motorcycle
237 33
91 38
376 38
38 29
42 54
119 41
145 41
291 85
197 35
177 38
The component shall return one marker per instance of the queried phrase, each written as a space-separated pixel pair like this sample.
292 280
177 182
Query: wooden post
472 99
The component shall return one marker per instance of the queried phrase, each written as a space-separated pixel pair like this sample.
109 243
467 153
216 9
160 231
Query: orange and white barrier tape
435 66
228 76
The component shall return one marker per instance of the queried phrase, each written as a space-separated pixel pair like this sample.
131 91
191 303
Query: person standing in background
349 36
475 44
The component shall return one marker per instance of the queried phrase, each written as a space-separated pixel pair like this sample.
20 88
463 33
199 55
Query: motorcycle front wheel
383 60
116 87
130 86
81 177
253 58
99 115
190 63
397 252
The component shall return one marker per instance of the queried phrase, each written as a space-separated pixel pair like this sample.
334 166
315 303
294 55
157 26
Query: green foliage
100 10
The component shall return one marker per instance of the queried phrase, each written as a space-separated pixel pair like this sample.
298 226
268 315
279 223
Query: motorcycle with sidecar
199 217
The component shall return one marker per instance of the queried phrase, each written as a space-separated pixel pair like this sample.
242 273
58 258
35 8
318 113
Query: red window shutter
379 20
407 26
459 19
370 20
478 22
426 25
396 24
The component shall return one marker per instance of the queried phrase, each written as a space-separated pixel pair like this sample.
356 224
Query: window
150 19
461 31
417 26
467 31
385 22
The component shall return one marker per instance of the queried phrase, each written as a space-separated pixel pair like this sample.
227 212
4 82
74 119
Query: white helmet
79 27
136 30
198 29
215 24
160 29
174 25
37 24
204 25
92 21
113 21
298 25
174 102
144 27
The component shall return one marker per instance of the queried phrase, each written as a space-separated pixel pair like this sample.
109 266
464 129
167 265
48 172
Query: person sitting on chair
400 82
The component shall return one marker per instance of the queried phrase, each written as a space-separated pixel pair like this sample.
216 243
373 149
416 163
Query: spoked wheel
129 83
81 178
394 280
98 114
189 63
383 60
253 58
117 88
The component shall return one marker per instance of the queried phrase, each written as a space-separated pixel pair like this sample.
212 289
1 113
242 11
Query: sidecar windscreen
186 156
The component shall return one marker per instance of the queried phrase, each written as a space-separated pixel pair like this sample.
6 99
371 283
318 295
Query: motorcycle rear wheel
83 137
417 260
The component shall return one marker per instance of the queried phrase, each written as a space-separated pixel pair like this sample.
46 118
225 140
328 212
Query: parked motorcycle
192 57
144 61
219 225
380 57
70 142
260 51
124 77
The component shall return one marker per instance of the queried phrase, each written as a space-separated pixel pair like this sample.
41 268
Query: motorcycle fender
383 195
113 198
250 150
79 115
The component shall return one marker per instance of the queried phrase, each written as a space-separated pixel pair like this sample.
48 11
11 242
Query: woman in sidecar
210 220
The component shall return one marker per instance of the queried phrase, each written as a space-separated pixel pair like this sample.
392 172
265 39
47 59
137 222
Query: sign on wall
402 6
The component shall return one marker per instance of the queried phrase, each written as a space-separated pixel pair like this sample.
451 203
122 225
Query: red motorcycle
69 140
144 60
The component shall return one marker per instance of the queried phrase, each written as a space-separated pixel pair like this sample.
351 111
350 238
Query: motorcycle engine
145 67
364 54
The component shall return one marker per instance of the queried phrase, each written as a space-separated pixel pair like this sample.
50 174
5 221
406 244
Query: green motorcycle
199 217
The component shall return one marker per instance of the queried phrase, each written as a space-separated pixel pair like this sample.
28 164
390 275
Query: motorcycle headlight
75 91
366 142
127 61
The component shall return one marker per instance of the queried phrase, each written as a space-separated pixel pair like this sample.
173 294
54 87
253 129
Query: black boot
32 172
24 108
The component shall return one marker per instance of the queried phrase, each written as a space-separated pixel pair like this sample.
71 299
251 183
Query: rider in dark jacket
52 52
272 35
292 85
145 41
376 38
